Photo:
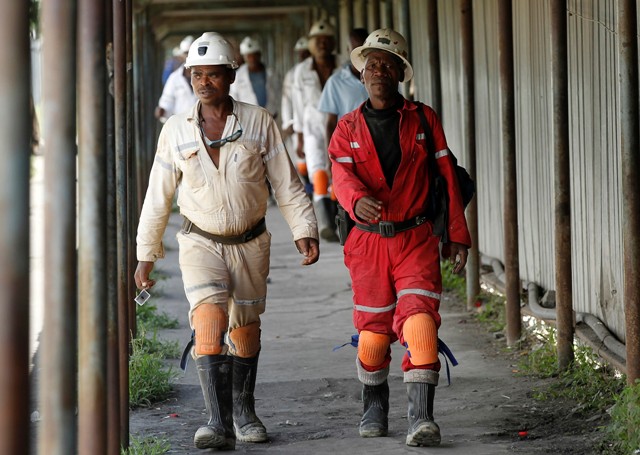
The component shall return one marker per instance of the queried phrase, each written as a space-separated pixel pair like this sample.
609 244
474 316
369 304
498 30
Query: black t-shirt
384 126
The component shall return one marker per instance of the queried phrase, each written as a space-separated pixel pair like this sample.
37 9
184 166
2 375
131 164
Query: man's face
253 59
381 74
211 82
322 45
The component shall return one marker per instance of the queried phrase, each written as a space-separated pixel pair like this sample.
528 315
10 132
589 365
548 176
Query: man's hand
143 270
310 249
368 209
457 254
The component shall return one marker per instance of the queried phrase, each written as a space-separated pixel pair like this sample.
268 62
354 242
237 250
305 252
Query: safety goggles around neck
222 141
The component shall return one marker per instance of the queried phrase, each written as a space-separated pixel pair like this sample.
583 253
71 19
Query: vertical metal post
126 167
113 281
373 15
562 183
15 154
473 262
630 144
58 375
405 30
92 390
508 124
386 15
120 141
433 45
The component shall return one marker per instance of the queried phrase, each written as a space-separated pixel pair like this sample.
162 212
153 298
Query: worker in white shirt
177 95
301 49
255 83
310 124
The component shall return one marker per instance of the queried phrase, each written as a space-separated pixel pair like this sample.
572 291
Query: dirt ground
308 395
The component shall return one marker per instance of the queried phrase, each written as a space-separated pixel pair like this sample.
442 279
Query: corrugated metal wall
595 161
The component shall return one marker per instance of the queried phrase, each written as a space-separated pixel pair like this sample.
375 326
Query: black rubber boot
247 425
215 373
375 423
326 210
423 431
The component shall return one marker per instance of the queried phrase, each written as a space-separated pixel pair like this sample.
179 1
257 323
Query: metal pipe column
562 183
433 45
15 153
630 144
468 78
120 121
92 290
373 15
508 126
58 374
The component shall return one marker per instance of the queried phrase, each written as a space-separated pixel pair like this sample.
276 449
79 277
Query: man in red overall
379 155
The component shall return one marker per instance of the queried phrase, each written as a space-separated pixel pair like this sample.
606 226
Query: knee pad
210 324
245 341
301 166
372 348
320 182
421 336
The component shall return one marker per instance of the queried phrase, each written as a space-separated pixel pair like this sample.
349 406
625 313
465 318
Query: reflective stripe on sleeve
345 159
354 145
442 153
368 309
419 136
424 292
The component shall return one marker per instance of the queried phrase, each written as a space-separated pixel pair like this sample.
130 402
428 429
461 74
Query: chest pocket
249 164
189 161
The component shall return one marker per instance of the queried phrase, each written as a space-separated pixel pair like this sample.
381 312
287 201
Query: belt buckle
387 229
186 226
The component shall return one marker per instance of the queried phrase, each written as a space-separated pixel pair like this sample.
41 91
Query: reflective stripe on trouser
231 275
408 263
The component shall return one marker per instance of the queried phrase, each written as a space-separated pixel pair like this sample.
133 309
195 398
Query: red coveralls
396 277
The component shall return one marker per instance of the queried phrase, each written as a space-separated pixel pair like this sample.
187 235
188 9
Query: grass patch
153 345
492 311
453 282
149 379
146 446
149 319
624 431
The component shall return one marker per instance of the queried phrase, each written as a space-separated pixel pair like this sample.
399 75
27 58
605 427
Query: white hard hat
384 39
322 27
302 44
185 44
249 46
211 49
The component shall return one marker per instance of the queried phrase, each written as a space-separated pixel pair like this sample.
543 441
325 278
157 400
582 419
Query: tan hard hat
322 28
384 39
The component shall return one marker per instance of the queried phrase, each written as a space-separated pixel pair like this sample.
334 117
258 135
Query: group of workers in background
357 141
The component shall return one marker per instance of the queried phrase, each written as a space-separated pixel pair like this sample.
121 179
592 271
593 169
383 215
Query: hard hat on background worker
211 49
185 44
384 39
249 46
302 44
322 28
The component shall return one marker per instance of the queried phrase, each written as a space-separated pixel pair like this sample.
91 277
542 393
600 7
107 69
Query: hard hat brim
359 55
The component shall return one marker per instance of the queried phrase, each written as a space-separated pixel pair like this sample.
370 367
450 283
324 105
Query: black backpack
438 199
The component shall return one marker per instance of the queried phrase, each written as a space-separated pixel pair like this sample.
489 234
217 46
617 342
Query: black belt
188 227
389 228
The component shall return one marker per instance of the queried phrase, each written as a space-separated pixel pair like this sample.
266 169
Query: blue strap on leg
353 342
448 355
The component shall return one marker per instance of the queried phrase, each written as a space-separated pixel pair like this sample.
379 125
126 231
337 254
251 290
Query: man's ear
362 76
401 73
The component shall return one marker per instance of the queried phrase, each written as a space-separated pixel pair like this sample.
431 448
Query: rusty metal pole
120 120
630 144
58 374
126 167
433 45
113 281
15 154
562 184
473 261
92 291
508 125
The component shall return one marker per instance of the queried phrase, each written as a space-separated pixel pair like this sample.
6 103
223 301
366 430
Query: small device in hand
142 297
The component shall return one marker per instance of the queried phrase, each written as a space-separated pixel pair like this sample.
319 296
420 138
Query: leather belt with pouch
189 228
